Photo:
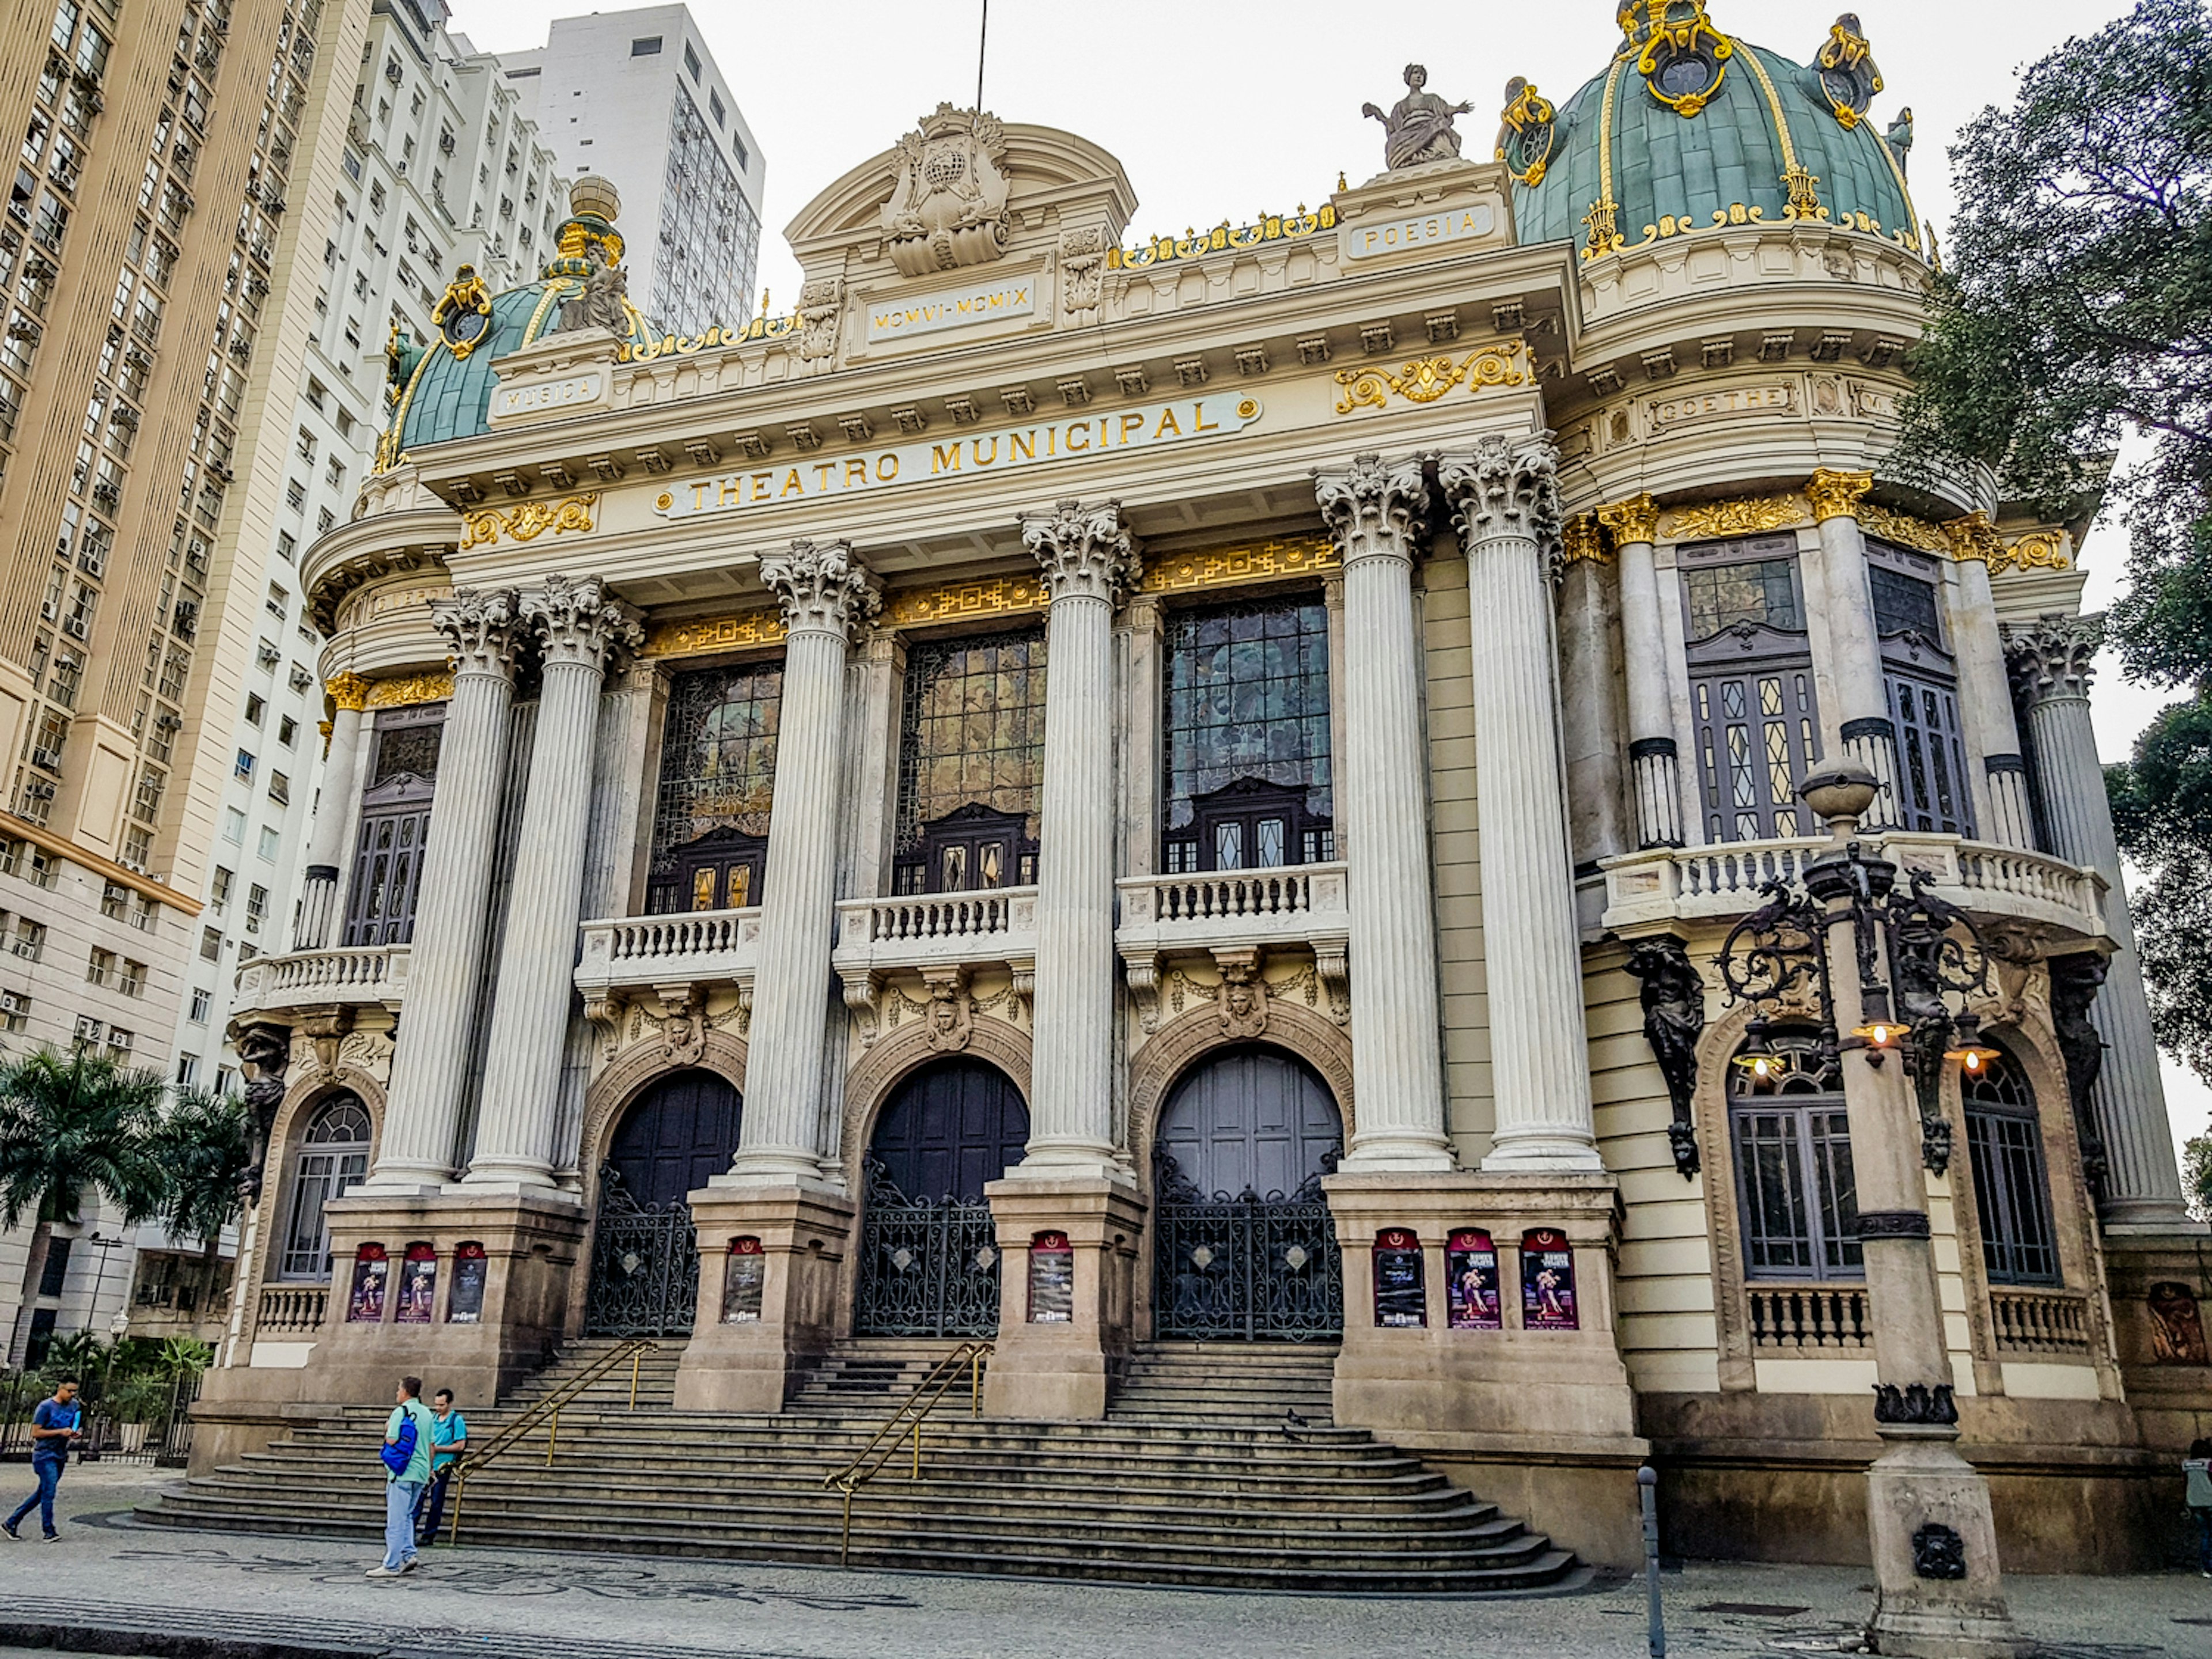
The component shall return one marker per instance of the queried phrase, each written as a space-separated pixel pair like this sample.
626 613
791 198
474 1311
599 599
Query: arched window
1792 1138
333 1157
2012 1193
1751 685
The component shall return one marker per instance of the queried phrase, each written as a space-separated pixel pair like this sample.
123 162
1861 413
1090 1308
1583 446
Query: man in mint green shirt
402 1489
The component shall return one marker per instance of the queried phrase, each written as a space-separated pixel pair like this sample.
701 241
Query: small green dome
1689 130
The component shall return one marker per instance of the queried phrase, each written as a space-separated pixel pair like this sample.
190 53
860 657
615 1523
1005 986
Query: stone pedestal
743 1359
1542 1421
1062 1368
1937 1593
532 1244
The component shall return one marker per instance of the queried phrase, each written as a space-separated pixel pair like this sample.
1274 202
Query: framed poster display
371 1272
418 1285
1548 1282
743 1280
1051 1279
464 1305
1471 1273
1401 1292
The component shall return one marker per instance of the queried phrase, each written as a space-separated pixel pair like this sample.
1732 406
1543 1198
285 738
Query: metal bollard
1647 1486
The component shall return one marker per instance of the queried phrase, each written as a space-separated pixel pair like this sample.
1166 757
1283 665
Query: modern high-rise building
635 97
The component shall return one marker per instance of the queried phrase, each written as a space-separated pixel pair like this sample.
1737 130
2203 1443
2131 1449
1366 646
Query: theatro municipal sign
1149 426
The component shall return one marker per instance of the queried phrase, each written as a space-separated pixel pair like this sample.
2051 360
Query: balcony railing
303 979
2039 1321
938 929
696 947
1234 908
1720 882
292 1310
1809 1318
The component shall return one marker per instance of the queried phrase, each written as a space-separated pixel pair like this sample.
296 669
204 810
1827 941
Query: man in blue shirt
52 1427
449 1438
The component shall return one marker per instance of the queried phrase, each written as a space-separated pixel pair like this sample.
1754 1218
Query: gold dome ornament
463 314
1529 133
1682 57
1844 68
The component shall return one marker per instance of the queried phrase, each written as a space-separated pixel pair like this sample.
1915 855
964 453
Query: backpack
399 1454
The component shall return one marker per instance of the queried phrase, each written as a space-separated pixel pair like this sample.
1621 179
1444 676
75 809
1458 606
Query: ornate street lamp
1910 950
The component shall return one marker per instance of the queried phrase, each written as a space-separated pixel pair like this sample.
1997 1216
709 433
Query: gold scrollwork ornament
1753 515
1425 379
530 520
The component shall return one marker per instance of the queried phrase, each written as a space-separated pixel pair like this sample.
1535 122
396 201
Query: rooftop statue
1419 128
599 304
948 208
1900 139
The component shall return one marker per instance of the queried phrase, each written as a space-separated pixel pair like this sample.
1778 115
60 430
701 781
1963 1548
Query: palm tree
72 1124
203 1145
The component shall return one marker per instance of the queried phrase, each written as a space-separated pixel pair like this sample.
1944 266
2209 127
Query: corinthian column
1987 694
1504 503
1374 512
824 591
429 1065
2050 662
1652 755
1846 600
578 626
318 893
1088 558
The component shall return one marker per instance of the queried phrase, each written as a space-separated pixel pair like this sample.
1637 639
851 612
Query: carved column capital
579 621
1507 490
347 690
1636 520
2053 656
822 588
1975 537
1084 551
1837 494
1581 541
483 630
1375 508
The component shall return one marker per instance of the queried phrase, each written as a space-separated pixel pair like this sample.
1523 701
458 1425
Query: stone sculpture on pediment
1418 128
949 207
599 304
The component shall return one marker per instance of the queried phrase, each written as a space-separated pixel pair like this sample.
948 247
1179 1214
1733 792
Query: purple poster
1471 1265
1548 1282
418 1285
365 1306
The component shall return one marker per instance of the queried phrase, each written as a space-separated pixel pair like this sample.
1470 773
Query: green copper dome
1690 130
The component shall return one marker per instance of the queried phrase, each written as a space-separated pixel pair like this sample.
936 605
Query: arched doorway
645 1255
1243 1244
929 1255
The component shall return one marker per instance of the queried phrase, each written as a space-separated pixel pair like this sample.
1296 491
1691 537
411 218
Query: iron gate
929 1268
644 1265
1258 1268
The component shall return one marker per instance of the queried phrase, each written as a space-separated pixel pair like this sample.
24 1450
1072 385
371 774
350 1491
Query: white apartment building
635 97
440 168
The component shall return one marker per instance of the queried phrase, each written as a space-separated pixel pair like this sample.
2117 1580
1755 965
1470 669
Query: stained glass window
1796 1189
1722 596
1751 686
717 783
394 827
1904 603
1931 756
1248 780
971 753
333 1157
2012 1195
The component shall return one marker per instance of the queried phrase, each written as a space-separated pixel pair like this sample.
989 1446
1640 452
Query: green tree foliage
2196 1177
2078 310
204 1144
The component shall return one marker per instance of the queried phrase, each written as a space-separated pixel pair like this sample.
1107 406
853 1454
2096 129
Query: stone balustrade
1237 917
271 987
1794 1319
696 947
940 935
1645 892
292 1310
2039 1321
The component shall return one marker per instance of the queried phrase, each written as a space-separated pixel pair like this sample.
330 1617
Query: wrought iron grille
929 1268
1247 1266
644 1265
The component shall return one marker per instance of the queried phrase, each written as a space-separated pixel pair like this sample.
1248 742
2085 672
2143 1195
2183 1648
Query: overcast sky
1225 108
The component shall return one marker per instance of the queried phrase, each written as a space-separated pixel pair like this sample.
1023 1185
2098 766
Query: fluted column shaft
1846 602
1374 512
1986 692
825 593
1504 503
319 889
1654 760
2051 663
578 626
1088 558
429 1065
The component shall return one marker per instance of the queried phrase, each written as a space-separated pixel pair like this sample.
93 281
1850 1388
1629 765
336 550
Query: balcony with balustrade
942 937
1237 918
669 957
1645 892
281 990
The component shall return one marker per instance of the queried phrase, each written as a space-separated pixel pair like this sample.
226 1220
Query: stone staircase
1191 1480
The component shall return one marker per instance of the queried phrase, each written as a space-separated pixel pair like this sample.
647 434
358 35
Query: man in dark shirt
53 1426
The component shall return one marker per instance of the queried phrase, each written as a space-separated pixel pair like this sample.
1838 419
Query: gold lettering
699 496
856 472
944 458
1168 423
761 482
730 492
1131 423
981 460
1199 423
1079 429
790 484
886 466
822 471
1022 447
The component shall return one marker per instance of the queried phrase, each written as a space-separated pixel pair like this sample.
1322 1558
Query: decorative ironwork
1259 1268
1938 1553
928 1267
644 1265
1915 1405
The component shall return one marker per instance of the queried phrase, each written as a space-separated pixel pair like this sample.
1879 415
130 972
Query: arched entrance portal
645 1255
929 1255
1243 1244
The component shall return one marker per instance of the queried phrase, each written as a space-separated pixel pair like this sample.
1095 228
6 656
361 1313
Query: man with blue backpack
406 1452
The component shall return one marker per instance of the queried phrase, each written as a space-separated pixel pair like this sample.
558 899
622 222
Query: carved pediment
948 208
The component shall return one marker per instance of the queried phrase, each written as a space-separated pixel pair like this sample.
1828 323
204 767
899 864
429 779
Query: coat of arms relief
949 207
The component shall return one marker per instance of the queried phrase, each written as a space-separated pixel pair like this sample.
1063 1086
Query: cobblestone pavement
308 1595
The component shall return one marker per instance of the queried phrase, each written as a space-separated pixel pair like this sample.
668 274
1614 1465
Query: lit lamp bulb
1764 1068
1974 1062
1879 1033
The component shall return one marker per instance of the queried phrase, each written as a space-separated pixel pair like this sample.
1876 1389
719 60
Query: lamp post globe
1840 793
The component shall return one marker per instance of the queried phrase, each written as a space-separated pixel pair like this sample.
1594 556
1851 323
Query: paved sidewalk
308 1596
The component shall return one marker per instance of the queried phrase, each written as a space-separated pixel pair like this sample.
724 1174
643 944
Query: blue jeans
400 1497
47 1471
2203 1538
431 1511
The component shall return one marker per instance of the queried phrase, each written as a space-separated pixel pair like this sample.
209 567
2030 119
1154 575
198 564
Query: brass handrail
907 1422
547 1411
